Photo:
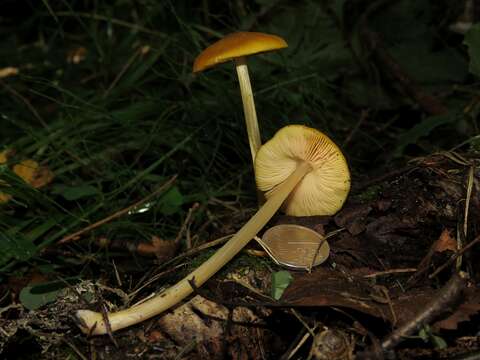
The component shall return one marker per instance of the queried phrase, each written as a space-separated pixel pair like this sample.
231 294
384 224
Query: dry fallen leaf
32 173
163 249
4 197
77 55
445 242
470 307
3 159
4 156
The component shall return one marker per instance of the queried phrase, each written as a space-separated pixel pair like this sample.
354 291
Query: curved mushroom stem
93 323
250 113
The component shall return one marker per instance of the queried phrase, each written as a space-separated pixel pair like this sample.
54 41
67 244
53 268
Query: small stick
107 325
77 234
391 271
444 300
186 225
465 216
454 257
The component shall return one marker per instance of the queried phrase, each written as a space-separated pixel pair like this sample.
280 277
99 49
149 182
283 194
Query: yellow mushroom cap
237 45
323 190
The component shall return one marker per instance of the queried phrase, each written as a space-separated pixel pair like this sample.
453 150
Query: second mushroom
299 168
237 46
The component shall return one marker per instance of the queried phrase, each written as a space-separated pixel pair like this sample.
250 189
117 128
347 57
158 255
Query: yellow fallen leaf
3 159
32 173
4 198
8 71
26 170
4 156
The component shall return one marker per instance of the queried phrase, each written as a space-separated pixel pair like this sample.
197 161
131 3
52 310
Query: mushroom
299 167
237 46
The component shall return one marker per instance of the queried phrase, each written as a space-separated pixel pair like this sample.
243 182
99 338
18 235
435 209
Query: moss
246 262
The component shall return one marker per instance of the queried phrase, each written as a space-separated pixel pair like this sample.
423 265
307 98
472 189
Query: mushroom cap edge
236 45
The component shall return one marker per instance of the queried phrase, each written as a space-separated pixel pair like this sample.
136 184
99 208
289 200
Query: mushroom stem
93 323
250 113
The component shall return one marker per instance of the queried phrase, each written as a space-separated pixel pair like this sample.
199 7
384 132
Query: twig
440 303
424 265
389 272
455 256
445 299
143 282
107 325
154 278
198 249
319 246
465 215
77 234
297 347
186 224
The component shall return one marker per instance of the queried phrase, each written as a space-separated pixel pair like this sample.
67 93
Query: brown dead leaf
77 55
325 287
445 242
470 307
163 249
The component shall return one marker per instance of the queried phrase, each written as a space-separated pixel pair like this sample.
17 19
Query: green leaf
75 192
35 296
280 281
424 334
171 202
438 342
472 40
422 129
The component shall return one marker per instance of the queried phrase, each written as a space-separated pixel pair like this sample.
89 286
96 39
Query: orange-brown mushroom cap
237 45
323 190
